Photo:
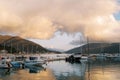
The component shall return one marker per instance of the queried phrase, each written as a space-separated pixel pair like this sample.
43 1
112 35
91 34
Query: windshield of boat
33 58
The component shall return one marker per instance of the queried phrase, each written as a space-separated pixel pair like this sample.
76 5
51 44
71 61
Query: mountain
96 48
55 50
18 44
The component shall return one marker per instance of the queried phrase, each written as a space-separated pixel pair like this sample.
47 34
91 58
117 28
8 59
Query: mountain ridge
96 48
18 44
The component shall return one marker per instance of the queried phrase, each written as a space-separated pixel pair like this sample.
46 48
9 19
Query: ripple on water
61 70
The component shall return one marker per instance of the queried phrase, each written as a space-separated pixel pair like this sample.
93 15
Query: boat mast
88 57
80 45
101 49
119 49
11 46
27 48
32 49
17 48
4 45
88 46
36 48
23 48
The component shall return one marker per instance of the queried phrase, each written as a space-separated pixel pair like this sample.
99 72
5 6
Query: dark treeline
97 48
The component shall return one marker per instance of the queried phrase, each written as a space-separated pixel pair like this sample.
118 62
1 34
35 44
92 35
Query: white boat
34 60
18 61
84 59
5 63
101 56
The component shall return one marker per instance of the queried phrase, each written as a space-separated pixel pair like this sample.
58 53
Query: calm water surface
61 70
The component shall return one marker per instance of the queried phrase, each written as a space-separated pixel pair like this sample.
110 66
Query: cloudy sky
60 23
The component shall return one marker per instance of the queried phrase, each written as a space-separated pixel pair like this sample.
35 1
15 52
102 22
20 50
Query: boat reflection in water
61 70
27 74
68 71
4 72
93 70
35 69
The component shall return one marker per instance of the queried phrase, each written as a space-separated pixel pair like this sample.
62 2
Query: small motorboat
5 63
34 61
18 62
84 59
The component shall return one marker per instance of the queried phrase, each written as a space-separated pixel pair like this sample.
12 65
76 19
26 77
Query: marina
62 70
59 39
59 69
17 61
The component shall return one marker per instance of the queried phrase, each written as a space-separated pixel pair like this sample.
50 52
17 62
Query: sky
61 42
60 24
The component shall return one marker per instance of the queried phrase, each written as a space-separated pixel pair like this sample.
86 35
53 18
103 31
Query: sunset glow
41 19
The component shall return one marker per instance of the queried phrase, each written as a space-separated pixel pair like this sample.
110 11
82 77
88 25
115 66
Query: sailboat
101 55
4 60
117 56
84 58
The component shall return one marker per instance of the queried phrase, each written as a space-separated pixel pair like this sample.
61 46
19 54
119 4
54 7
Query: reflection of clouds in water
62 70
79 71
83 68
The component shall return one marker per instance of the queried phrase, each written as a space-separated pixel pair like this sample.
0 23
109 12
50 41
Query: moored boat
74 57
18 62
84 59
5 63
34 60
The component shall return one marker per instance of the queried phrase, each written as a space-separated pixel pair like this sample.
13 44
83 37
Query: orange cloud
42 18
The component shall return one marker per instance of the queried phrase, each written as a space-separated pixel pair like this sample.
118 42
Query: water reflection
4 72
61 70
101 70
94 70
25 75
68 71
35 69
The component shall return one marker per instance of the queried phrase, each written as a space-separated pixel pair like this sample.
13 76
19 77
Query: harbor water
62 70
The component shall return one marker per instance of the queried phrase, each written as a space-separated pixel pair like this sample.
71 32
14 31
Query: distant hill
55 50
17 44
96 48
